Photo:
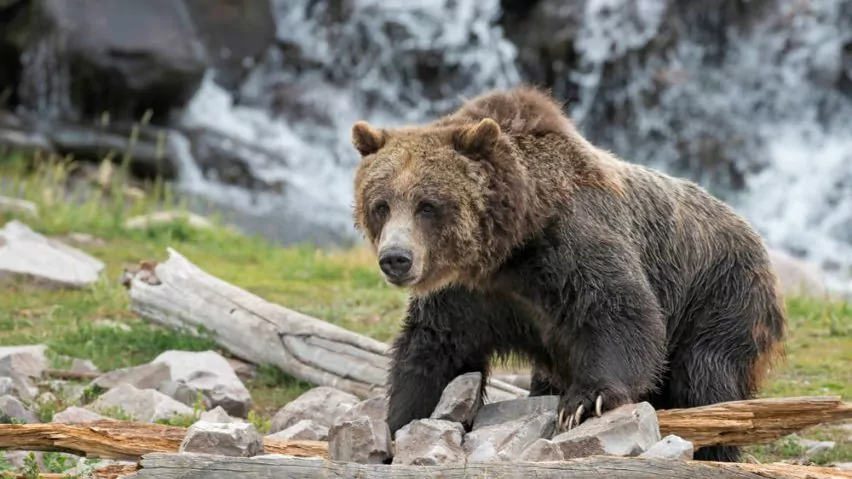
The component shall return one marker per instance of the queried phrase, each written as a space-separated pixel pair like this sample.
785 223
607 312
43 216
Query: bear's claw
567 421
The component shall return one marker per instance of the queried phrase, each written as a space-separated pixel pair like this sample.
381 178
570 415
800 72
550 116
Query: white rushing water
770 88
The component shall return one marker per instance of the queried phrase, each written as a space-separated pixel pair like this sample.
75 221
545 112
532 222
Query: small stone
511 438
76 415
361 440
628 430
670 447
13 411
375 408
210 373
145 376
110 324
217 414
304 430
83 366
182 392
46 397
812 448
460 400
145 405
245 371
225 439
543 450
429 442
19 386
504 411
162 217
16 205
322 404
23 361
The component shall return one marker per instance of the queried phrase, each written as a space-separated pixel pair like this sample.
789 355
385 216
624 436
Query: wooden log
111 439
187 466
734 423
752 422
180 295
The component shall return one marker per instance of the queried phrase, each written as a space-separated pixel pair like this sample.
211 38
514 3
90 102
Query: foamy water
796 160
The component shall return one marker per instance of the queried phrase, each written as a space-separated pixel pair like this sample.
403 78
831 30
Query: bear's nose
395 262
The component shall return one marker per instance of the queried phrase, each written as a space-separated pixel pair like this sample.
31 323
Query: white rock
76 415
543 450
813 448
670 447
505 411
13 410
225 439
796 276
628 430
23 252
162 217
146 405
23 361
322 404
304 430
212 374
362 440
16 205
460 400
511 438
83 366
219 415
429 442
144 376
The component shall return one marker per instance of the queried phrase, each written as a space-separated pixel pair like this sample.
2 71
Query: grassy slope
342 287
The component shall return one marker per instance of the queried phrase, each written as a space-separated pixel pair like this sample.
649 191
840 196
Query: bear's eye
426 209
381 209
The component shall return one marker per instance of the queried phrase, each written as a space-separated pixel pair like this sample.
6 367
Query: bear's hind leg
724 349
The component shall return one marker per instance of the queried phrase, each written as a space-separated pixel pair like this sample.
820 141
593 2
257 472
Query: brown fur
617 281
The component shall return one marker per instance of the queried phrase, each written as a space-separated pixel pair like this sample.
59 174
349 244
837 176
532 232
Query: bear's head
440 204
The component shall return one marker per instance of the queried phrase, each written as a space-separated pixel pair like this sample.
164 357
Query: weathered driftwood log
752 422
180 295
185 466
109 439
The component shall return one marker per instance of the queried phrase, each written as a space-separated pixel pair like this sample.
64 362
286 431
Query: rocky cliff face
752 98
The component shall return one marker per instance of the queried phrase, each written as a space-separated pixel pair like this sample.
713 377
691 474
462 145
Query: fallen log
752 422
165 466
735 423
180 295
111 439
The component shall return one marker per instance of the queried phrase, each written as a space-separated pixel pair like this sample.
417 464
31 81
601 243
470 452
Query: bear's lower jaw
400 282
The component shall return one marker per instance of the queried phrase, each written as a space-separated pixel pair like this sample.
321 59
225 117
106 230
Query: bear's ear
479 140
366 139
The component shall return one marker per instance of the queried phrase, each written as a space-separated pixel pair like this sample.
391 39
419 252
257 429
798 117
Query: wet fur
612 278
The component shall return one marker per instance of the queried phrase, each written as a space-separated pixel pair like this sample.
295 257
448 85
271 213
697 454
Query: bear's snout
395 263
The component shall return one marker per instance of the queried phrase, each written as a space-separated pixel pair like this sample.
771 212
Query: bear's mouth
402 282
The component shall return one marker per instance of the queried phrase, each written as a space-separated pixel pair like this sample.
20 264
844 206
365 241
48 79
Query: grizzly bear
514 234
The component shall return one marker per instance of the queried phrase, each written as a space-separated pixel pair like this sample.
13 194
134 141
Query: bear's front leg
608 340
444 335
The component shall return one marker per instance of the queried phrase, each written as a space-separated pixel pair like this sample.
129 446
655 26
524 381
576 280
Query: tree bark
188 466
180 295
751 422
110 439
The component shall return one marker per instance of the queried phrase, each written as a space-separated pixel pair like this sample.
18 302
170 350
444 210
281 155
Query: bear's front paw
578 404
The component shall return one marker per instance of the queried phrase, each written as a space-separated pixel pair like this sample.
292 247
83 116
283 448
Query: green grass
339 286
